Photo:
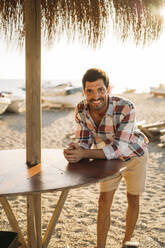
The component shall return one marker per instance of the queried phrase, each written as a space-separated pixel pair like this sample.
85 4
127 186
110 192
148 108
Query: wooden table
54 174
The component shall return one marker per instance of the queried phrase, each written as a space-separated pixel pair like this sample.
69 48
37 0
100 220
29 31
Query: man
106 129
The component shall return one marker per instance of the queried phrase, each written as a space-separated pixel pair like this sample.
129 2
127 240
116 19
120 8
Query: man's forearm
94 153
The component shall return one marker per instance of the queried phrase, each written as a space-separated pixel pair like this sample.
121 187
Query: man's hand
74 153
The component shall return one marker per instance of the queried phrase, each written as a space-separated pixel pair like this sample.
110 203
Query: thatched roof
90 19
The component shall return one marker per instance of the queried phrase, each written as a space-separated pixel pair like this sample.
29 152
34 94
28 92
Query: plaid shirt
117 133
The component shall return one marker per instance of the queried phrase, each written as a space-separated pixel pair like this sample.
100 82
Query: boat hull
67 101
4 103
157 91
16 106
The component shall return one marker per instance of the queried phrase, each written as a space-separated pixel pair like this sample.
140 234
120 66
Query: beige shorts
134 175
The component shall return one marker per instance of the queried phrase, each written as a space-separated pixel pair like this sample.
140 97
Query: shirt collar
110 107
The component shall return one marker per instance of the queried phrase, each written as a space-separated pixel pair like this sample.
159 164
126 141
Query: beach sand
77 224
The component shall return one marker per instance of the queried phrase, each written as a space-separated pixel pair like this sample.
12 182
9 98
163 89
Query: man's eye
89 91
101 90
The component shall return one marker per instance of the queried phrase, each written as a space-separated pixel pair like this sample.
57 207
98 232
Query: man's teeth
98 101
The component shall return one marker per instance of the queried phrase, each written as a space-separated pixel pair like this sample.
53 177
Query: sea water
18 85
11 84
15 85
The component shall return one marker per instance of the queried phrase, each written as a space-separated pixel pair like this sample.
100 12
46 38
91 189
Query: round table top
53 174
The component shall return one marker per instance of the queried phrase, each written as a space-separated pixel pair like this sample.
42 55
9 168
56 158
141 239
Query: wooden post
37 209
33 81
31 223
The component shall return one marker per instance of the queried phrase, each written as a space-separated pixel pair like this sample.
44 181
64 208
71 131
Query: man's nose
95 94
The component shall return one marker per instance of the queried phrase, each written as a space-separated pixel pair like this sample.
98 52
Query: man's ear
108 89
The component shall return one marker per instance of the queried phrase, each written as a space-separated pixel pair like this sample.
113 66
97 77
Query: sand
77 224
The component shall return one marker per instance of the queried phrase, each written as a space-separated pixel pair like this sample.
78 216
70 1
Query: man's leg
131 216
135 177
103 220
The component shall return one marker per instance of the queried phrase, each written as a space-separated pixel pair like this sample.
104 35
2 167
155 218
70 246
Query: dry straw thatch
89 19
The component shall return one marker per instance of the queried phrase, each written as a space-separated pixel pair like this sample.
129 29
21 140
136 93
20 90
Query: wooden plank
158 93
162 131
146 131
12 220
152 130
161 145
155 131
31 225
140 123
54 218
156 124
33 81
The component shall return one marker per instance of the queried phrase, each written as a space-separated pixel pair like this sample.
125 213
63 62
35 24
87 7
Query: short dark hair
93 74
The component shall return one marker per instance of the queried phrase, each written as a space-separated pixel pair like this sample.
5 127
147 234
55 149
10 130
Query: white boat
157 91
4 103
66 101
17 102
61 96
53 89
128 91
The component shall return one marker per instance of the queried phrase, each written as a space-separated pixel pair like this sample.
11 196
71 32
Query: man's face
96 94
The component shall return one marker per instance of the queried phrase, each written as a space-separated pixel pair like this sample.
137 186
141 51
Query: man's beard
99 106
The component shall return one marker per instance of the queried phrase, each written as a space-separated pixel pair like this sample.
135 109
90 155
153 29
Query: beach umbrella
29 20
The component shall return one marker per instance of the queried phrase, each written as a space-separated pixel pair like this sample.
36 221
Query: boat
158 91
4 103
61 96
128 91
17 102
54 89
66 101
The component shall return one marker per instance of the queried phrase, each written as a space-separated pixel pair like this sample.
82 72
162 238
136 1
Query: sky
125 63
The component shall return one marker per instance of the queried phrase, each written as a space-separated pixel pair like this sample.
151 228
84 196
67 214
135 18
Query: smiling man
106 129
